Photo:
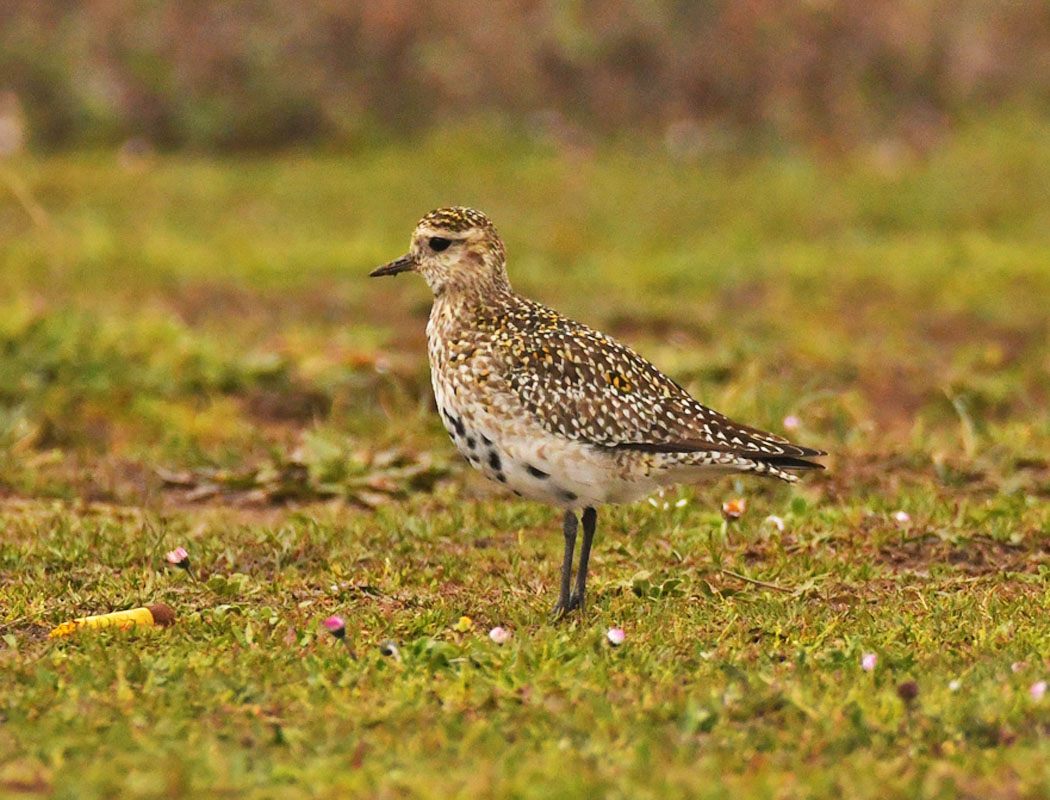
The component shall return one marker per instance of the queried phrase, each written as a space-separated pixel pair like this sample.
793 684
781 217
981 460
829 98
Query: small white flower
499 635
616 636
791 423
1037 690
868 662
953 686
775 521
901 517
681 503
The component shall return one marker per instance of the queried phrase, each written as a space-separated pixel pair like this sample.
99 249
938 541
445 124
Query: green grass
191 355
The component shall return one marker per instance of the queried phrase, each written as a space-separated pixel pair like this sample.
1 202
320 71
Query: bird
554 410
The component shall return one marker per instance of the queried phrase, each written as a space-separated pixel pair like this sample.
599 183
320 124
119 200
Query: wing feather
586 386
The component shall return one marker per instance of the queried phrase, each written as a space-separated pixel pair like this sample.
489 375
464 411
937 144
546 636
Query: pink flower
336 626
901 517
178 557
775 521
868 662
616 636
1037 690
791 423
499 635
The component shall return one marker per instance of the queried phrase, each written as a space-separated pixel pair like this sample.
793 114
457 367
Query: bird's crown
456 219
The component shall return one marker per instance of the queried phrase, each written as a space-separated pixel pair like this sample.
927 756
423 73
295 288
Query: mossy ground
190 354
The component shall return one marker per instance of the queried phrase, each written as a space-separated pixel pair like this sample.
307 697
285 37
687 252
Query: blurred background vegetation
259 75
835 210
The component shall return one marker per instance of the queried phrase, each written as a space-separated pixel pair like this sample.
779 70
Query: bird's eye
437 244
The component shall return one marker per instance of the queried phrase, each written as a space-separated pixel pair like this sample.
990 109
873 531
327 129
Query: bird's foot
564 608
575 602
559 612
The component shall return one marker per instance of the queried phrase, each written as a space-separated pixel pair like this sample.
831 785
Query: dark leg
569 529
590 520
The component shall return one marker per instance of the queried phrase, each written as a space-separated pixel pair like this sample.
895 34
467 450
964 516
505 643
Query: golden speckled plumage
519 369
552 408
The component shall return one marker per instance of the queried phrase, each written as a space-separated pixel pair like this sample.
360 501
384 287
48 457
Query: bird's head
454 249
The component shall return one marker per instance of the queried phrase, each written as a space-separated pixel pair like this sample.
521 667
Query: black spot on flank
501 477
536 473
486 440
567 495
470 442
519 494
494 461
454 422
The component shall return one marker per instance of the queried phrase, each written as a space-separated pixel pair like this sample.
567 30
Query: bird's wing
586 386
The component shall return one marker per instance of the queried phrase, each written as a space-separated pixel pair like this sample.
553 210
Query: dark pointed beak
403 264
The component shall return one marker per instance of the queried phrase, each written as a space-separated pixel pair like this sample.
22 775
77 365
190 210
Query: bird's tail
782 467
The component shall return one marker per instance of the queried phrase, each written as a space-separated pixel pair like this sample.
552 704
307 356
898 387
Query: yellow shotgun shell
159 614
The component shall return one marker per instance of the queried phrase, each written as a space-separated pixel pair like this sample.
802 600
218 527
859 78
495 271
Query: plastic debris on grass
159 615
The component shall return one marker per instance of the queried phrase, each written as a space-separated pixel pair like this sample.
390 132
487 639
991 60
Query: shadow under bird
554 410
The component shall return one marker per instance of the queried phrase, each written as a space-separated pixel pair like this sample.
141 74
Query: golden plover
554 410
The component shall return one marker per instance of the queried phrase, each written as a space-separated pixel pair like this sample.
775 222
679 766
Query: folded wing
581 384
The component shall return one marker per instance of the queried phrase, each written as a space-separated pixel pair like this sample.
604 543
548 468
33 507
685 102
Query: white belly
538 465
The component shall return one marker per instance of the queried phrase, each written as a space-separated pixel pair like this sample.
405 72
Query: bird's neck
459 309
471 300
